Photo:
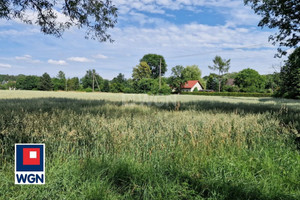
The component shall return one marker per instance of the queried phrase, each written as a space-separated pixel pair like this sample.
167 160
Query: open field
134 146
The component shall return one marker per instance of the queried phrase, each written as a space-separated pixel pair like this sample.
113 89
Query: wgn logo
29 163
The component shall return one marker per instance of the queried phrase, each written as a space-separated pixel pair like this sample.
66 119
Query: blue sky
185 32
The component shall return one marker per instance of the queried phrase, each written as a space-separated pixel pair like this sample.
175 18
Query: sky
185 32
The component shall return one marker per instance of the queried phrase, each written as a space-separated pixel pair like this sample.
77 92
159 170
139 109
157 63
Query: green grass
115 146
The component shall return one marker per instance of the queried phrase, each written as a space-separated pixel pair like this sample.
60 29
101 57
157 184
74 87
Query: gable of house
189 86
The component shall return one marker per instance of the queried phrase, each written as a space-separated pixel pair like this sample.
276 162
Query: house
230 82
190 86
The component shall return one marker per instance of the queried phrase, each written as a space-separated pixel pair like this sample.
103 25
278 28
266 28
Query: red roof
190 84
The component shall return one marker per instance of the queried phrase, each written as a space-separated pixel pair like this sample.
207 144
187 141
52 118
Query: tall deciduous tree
290 76
281 14
220 65
119 79
141 71
45 82
191 73
212 82
73 84
177 79
153 60
62 80
106 87
249 80
97 16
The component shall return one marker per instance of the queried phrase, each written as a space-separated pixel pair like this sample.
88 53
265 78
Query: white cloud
188 38
27 58
100 56
5 65
57 62
143 19
80 59
18 33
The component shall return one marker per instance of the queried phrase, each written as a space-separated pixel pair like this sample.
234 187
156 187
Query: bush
129 90
165 89
89 90
236 94
231 88
151 86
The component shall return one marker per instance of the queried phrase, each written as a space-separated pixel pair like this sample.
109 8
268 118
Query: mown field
116 146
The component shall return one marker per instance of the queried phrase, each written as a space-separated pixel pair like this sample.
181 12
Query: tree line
146 79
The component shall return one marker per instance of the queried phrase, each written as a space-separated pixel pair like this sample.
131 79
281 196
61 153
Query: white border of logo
30 172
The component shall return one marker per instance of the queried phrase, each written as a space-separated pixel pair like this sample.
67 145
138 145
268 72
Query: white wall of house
198 86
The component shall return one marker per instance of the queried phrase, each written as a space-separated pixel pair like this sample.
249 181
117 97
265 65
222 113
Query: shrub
89 90
231 88
237 94
165 89
129 90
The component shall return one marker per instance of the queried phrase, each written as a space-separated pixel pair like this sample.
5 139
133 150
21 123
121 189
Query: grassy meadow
136 146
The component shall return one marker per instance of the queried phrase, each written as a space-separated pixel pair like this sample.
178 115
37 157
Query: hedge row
236 94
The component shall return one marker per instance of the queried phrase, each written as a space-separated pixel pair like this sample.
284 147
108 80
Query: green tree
55 83
106 86
27 82
290 76
177 79
96 16
191 73
165 88
6 77
116 87
149 85
62 80
283 15
73 84
119 79
250 80
118 83
272 81
92 77
141 71
130 86
153 60
144 85
20 82
45 82
212 82
220 65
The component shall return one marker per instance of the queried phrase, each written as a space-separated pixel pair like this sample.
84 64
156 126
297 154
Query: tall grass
101 149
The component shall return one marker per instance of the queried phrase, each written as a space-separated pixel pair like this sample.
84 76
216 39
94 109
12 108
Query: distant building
4 82
230 82
190 86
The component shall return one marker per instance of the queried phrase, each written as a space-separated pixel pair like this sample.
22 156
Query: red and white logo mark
31 156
